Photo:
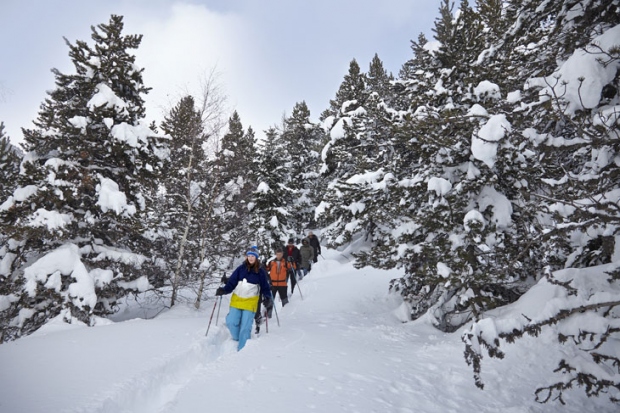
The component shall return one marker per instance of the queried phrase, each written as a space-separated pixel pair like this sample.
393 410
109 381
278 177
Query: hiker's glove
268 303
220 291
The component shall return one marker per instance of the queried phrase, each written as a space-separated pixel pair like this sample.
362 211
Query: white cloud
179 48
270 54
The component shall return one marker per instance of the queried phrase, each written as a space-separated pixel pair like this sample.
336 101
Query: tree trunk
188 223
203 249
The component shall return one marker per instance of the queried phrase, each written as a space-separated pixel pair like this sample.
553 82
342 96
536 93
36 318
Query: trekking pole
294 281
289 275
217 318
297 284
212 312
275 311
266 322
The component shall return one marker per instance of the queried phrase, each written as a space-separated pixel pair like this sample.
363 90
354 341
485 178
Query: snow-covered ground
342 349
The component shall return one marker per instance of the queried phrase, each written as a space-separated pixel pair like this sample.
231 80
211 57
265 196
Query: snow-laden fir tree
418 79
230 182
569 112
417 76
356 196
352 94
379 81
183 198
299 150
338 153
75 221
352 88
236 166
272 198
9 169
9 165
453 225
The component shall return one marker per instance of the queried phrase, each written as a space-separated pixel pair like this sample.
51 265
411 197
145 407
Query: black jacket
314 243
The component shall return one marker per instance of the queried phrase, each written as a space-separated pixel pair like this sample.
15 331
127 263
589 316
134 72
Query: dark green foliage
352 88
454 267
571 188
88 140
289 182
378 80
591 341
9 165
235 167
301 140
270 216
183 196
359 165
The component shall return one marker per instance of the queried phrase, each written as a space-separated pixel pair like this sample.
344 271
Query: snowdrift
343 348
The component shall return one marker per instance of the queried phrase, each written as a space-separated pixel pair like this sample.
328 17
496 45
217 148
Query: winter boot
258 320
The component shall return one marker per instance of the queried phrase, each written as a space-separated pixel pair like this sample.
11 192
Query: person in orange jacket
278 269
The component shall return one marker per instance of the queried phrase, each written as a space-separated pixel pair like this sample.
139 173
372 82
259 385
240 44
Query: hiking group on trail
251 280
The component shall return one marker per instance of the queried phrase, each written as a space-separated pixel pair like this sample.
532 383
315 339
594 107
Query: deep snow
342 349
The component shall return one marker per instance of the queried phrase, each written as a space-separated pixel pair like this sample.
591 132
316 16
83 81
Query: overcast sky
270 53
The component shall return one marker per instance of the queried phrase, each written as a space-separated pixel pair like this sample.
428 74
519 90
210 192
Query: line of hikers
251 280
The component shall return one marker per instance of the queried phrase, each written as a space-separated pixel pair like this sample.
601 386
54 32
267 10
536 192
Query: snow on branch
580 306
580 80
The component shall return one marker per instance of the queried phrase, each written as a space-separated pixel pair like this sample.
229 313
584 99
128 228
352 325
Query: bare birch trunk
203 250
188 223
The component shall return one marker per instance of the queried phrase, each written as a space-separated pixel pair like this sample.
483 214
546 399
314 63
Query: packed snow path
341 349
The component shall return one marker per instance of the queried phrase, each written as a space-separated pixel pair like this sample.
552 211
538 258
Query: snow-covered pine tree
184 200
9 169
300 140
356 200
352 88
270 212
417 77
432 147
454 225
75 221
375 163
316 183
339 151
9 165
212 231
571 122
236 162
496 17
352 93
378 80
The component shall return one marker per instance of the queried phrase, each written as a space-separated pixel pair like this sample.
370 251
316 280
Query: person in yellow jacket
247 283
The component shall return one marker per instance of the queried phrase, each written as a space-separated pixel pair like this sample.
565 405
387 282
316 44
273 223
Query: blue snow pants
239 322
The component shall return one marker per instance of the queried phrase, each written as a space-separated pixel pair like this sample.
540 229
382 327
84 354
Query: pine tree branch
583 209
534 329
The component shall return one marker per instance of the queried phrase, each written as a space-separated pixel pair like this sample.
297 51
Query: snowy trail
340 349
